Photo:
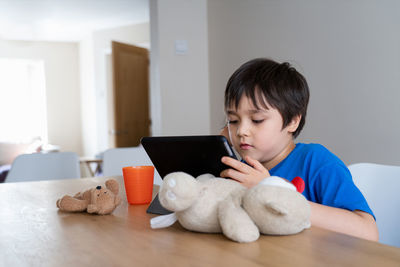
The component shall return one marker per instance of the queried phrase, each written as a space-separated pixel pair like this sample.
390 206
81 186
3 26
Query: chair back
39 166
114 159
380 186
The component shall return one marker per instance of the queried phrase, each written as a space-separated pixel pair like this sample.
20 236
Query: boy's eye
257 121
232 121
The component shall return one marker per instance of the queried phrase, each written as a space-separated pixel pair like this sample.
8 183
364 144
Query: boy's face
258 133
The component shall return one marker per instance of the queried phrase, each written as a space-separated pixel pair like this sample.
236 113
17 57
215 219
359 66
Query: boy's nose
243 130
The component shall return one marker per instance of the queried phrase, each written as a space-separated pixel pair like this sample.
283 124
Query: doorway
130 117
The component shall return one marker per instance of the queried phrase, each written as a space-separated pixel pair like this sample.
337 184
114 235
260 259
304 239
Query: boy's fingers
244 168
231 173
256 164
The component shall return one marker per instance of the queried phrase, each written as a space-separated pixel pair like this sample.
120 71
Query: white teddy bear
214 205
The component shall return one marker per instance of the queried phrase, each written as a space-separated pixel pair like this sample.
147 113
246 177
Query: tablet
194 155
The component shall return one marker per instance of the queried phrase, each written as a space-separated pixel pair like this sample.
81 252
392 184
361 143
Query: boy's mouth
245 146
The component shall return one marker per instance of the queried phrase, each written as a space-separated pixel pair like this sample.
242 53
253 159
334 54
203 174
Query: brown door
131 94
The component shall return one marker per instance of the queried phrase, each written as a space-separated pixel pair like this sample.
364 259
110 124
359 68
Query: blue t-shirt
327 179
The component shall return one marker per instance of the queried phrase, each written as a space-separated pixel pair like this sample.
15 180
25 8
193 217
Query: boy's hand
248 176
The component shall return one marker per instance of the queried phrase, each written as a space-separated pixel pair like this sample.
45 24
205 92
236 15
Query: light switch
181 47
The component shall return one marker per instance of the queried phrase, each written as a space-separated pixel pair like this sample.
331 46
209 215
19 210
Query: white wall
349 52
180 80
62 87
88 100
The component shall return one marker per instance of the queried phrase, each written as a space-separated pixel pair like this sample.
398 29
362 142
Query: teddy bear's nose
98 187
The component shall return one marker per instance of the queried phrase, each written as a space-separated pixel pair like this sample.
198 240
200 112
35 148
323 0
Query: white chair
380 185
114 159
39 166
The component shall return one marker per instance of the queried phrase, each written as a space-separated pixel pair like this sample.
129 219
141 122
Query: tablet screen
194 155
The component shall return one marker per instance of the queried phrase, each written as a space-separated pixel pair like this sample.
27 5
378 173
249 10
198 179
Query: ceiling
66 20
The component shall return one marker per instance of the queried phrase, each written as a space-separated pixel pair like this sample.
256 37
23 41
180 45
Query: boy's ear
294 124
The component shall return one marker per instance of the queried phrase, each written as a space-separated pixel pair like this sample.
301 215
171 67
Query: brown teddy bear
99 200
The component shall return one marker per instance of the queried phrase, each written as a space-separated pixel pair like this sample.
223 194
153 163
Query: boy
266 104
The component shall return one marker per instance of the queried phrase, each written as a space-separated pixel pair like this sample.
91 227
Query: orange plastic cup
138 182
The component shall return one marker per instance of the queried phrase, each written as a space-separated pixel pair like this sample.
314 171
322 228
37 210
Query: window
23 116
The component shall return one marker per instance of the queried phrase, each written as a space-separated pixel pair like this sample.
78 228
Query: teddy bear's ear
276 208
113 186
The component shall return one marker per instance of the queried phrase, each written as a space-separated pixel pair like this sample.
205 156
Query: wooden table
34 233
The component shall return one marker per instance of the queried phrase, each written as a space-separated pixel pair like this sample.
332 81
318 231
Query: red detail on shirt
298 182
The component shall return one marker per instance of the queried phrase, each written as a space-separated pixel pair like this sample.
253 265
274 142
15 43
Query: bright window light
23 116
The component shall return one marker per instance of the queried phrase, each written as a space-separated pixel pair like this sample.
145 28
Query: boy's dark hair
280 85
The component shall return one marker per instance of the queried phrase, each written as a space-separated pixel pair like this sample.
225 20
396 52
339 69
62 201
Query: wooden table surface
34 233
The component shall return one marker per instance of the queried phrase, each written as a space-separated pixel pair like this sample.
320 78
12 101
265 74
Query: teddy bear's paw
65 202
68 203
92 208
243 231
117 200
205 177
236 224
58 203
178 191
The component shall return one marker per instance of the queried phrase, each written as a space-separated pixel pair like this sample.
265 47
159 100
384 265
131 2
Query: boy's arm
355 223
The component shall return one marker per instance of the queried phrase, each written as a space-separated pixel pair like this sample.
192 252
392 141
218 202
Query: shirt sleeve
334 187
